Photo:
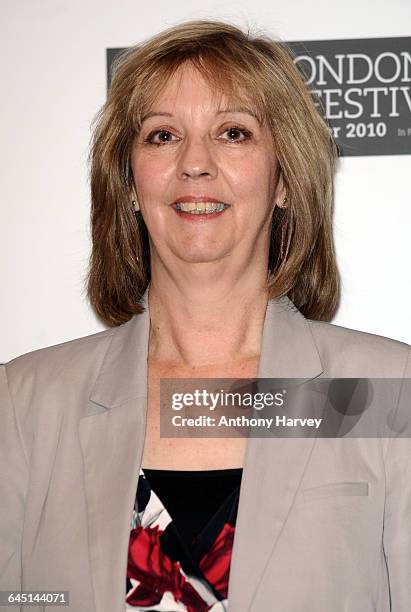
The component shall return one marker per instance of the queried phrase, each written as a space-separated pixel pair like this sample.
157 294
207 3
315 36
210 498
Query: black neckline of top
188 473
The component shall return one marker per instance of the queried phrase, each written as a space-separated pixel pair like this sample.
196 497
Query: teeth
198 208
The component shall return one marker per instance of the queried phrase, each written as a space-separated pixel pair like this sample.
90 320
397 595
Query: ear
134 200
280 194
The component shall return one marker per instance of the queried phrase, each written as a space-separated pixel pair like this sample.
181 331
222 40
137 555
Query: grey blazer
324 525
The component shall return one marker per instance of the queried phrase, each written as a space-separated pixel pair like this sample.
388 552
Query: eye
159 137
235 133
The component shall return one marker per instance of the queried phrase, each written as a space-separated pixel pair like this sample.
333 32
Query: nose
196 159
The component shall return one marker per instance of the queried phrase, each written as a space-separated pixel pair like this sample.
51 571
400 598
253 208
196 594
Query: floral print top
172 571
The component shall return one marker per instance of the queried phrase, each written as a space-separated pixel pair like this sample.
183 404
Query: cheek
252 178
150 175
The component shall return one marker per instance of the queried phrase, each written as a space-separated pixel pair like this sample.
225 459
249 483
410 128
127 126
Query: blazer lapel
273 467
112 432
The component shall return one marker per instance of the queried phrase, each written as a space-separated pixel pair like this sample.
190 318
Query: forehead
187 79
187 85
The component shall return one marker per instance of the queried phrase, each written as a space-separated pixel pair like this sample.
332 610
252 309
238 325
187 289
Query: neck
195 324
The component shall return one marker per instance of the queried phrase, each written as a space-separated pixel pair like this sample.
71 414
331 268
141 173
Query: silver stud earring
136 206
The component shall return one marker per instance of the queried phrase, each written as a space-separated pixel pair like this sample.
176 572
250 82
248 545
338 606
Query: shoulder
351 351
63 352
66 361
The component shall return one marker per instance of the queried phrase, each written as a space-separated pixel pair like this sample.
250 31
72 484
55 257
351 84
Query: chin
201 256
200 253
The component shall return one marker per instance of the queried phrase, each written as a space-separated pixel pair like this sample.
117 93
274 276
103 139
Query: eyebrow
239 109
236 109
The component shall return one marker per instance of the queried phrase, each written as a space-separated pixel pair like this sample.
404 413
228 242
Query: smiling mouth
200 208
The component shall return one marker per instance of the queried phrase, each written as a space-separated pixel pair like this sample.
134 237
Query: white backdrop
54 81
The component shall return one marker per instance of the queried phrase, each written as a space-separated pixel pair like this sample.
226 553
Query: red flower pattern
215 565
157 573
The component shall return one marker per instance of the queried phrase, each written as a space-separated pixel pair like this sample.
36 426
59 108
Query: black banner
364 88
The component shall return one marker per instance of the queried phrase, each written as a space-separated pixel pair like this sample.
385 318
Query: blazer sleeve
13 487
397 515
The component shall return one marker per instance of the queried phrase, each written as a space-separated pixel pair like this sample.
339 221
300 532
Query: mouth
200 208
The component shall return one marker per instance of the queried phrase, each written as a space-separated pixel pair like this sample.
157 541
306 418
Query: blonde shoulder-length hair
240 66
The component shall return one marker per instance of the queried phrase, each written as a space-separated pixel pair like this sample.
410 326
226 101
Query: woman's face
198 149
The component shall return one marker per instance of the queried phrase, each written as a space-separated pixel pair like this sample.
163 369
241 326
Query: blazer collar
123 374
288 350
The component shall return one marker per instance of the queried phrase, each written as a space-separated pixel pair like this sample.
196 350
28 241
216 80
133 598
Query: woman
212 257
